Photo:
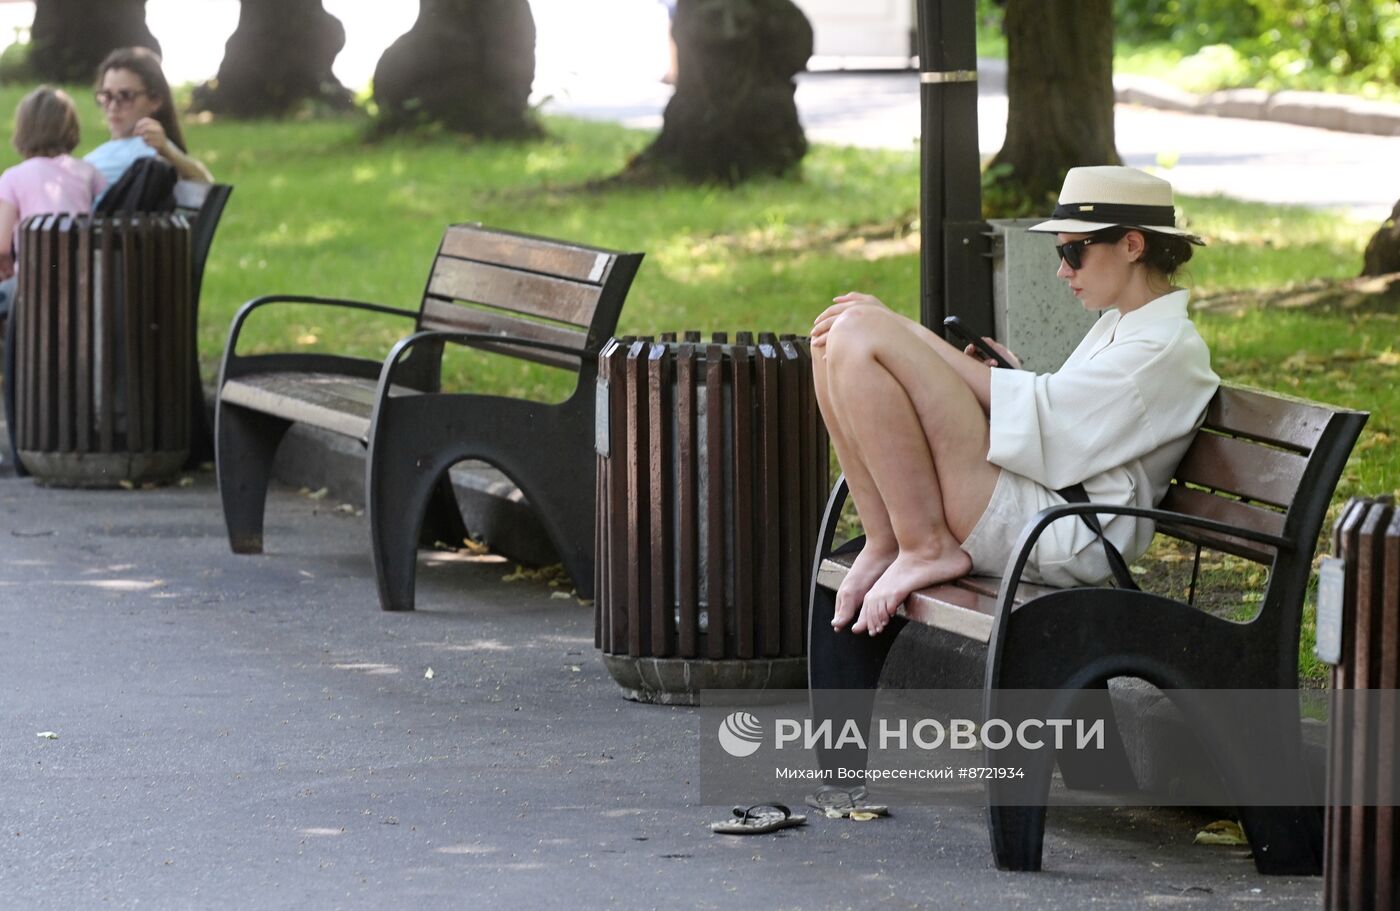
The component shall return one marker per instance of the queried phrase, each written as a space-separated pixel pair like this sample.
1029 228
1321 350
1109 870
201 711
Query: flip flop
840 803
758 819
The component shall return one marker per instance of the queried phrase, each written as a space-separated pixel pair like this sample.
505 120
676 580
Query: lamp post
955 269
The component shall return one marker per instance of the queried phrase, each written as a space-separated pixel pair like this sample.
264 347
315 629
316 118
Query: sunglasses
1073 252
120 98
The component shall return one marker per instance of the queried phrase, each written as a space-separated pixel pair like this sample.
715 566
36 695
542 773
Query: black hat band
1117 213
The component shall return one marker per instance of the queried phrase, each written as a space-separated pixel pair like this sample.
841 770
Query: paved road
253 732
1246 159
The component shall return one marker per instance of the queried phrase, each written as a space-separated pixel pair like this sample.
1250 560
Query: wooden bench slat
444 316
531 253
1270 418
1240 467
1205 505
330 401
965 607
530 293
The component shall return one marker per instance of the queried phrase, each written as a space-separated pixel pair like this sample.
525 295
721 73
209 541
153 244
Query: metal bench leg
1260 758
850 663
397 491
201 434
1287 841
569 518
247 442
11 343
1016 806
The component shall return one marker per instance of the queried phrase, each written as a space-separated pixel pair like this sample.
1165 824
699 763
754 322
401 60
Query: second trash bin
103 340
712 475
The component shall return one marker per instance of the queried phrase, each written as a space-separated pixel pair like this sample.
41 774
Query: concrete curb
492 507
1345 113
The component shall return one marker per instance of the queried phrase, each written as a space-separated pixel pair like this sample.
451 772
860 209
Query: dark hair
1165 253
145 63
46 123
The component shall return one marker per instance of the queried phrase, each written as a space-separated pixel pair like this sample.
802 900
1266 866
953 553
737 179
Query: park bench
203 204
1255 483
532 298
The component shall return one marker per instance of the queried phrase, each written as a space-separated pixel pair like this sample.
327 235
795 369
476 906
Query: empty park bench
539 300
1255 483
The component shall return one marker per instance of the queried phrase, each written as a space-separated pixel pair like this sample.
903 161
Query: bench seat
332 401
966 607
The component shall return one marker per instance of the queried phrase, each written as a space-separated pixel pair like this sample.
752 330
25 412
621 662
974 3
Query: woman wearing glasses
135 98
948 458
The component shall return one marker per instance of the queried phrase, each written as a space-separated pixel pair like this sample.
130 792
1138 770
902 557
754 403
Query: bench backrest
1264 462
502 283
202 204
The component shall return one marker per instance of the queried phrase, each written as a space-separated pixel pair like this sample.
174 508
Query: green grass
317 210
1218 67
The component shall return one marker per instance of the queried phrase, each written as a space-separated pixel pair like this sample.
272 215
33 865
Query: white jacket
1118 416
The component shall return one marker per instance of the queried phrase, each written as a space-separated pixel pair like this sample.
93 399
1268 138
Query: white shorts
1067 553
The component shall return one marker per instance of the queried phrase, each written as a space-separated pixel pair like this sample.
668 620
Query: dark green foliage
1277 38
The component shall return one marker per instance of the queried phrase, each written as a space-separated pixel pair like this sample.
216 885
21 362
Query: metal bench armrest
1043 519
258 302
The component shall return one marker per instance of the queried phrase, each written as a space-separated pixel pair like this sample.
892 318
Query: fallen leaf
862 816
560 596
317 494
1388 359
124 484
346 508
187 481
1222 832
47 735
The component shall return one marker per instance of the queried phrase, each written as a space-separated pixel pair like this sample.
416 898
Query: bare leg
880 547
912 421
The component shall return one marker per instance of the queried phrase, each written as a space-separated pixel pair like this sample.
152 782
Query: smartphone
955 327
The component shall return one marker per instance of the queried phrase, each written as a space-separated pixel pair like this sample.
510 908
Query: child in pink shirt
48 180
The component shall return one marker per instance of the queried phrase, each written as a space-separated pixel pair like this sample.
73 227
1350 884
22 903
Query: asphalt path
253 732
1245 159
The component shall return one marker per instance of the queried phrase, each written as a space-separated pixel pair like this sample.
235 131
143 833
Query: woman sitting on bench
140 112
947 459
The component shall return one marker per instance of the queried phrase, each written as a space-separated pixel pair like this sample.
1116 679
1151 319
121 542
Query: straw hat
1109 196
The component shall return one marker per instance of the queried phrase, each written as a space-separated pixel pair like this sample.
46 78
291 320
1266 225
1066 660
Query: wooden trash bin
712 475
103 346
1358 632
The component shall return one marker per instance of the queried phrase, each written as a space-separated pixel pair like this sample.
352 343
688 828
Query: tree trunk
279 56
1383 252
732 116
466 65
1059 84
63 51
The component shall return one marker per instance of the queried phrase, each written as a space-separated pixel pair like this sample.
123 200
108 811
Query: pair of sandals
833 802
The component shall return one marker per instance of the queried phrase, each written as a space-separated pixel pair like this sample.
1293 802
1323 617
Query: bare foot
868 566
908 573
